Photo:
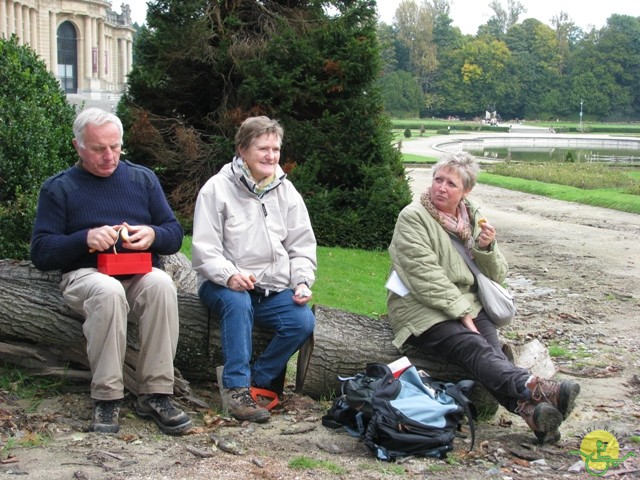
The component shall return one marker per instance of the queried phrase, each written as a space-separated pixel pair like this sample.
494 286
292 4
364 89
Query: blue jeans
293 324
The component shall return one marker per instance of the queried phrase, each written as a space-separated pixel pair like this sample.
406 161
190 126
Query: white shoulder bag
498 303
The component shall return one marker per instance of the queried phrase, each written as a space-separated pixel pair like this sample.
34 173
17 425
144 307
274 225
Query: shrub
407 133
35 140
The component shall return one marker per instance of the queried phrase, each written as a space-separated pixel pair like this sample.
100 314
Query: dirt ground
576 273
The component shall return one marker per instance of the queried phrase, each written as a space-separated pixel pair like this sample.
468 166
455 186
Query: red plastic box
124 263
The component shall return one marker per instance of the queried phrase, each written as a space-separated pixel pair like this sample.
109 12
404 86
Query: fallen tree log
48 335
34 317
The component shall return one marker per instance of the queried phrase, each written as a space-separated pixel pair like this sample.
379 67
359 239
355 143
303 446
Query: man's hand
137 237
102 238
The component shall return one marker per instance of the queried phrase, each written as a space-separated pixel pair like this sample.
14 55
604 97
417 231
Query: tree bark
40 332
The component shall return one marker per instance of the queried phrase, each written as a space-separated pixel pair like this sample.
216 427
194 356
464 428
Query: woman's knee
305 323
218 298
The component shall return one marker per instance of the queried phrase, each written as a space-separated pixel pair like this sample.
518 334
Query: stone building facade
85 44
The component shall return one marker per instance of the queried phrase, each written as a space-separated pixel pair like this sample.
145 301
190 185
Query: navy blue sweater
75 201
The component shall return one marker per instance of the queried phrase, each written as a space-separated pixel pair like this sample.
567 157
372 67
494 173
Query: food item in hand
122 233
481 222
304 292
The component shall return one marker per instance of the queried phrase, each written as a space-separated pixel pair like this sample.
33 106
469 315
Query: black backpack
397 417
352 410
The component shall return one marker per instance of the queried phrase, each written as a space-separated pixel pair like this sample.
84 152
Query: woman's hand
241 282
467 322
487 235
302 294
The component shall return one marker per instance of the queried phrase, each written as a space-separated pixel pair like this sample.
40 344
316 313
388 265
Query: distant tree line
521 69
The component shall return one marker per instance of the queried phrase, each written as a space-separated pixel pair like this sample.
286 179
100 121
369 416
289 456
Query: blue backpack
417 415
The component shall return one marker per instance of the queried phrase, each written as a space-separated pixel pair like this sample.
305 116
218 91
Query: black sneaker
161 409
105 416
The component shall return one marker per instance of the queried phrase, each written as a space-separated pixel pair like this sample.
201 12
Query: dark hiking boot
239 403
162 410
544 419
561 395
105 416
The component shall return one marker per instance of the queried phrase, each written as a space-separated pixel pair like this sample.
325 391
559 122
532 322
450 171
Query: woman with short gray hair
255 254
439 310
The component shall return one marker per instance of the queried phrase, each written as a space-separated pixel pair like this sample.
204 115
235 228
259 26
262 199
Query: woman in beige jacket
255 254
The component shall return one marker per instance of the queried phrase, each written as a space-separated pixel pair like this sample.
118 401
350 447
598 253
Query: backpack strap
459 392
341 415
335 417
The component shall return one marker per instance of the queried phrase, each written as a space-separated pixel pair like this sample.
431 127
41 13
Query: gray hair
464 164
254 127
94 116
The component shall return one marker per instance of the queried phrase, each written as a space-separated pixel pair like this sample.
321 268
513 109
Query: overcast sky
469 14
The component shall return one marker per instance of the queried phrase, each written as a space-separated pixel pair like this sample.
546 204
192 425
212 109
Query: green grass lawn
347 279
606 197
595 184
409 158
352 280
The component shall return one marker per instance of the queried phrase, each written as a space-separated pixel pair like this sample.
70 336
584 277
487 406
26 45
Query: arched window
68 57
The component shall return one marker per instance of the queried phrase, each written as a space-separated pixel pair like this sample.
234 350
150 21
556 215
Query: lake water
555 154
549 148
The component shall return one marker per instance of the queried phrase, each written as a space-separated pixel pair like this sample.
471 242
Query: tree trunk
42 334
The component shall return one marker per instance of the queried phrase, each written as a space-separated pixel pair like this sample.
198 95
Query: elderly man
98 204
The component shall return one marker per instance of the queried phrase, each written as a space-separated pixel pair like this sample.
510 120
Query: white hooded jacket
237 231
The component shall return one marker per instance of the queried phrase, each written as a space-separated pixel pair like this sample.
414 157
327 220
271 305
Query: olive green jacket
441 286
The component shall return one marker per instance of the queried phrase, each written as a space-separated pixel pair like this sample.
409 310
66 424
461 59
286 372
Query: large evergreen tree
204 66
